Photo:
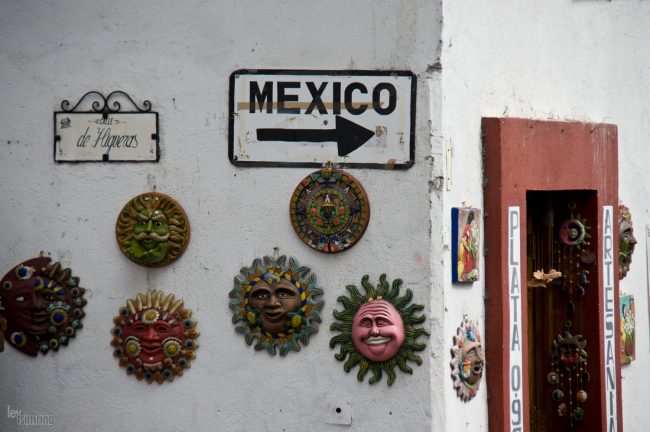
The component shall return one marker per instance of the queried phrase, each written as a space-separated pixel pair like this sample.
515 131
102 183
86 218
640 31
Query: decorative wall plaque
628 329
105 132
155 337
43 305
276 304
378 330
465 244
467 360
152 230
329 210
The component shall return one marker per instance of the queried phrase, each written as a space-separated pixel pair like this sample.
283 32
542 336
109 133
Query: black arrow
348 135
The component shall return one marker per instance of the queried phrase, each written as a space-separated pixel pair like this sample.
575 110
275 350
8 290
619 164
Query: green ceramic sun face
150 235
152 230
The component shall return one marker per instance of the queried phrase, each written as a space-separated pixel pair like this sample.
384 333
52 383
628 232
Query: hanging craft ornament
152 230
378 330
541 279
569 376
626 240
575 231
329 210
275 304
467 360
43 305
155 337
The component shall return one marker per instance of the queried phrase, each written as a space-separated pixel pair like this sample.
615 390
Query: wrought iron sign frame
106 105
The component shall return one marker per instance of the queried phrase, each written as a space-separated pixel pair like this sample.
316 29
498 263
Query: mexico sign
307 118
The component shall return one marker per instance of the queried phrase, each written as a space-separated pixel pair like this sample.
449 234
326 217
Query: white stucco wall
560 59
179 55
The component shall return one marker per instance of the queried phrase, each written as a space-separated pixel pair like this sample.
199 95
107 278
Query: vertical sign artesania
610 351
514 304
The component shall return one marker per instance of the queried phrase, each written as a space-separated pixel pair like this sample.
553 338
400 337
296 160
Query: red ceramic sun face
152 338
378 330
42 305
569 355
155 338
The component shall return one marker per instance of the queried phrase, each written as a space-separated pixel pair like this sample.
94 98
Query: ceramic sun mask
43 305
626 240
378 330
155 337
275 303
152 230
467 360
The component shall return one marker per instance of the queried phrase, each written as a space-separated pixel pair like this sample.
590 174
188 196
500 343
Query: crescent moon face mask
43 306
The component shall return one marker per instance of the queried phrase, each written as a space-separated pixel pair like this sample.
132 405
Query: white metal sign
514 305
611 350
309 118
81 137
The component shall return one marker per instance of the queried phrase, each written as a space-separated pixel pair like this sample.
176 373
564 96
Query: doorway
546 184
561 247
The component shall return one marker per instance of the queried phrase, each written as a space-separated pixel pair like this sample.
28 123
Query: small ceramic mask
152 230
378 330
467 360
276 304
43 305
626 240
155 337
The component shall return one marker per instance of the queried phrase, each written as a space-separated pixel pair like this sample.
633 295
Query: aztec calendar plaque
329 210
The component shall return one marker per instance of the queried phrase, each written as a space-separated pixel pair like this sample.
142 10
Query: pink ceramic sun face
378 330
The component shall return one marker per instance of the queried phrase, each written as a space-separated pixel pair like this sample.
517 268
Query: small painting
465 243
628 350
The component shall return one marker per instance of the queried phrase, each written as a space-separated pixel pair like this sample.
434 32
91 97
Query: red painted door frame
531 155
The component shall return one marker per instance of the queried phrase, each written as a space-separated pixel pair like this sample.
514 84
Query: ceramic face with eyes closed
378 330
43 305
626 240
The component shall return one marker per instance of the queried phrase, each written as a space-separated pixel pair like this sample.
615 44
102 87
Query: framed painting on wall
465 232
628 350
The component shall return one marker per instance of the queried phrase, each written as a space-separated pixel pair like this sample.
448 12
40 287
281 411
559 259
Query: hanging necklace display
569 358
329 210
154 337
43 305
275 303
152 230
569 375
378 330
